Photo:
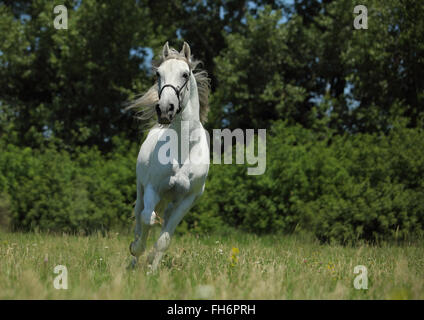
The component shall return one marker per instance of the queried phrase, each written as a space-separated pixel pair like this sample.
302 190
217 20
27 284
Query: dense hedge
54 190
341 188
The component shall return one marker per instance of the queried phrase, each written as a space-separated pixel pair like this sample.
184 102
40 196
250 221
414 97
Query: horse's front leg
175 216
145 218
151 199
138 246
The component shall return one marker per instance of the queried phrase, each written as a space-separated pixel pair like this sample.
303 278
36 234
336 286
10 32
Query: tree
204 24
265 73
71 84
385 65
317 70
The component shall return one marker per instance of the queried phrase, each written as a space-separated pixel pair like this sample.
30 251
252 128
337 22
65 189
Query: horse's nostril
171 107
158 110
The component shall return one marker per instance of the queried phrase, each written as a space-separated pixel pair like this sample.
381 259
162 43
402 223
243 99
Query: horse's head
178 81
173 83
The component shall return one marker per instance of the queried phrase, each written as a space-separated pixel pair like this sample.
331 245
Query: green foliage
53 190
313 64
4 211
341 165
247 77
205 24
268 60
385 64
342 188
72 83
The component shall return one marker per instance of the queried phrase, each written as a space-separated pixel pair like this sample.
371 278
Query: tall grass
197 267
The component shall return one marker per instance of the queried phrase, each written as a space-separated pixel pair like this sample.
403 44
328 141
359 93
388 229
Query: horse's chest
169 171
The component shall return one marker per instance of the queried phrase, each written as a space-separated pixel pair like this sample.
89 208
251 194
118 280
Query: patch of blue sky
144 53
24 18
352 103
284 17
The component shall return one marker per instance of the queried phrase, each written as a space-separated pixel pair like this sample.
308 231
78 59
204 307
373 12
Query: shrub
342 188
54 190
4 211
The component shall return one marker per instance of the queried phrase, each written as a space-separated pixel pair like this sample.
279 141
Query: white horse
166 191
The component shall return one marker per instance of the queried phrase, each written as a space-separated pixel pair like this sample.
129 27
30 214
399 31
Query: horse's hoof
151 270
131 249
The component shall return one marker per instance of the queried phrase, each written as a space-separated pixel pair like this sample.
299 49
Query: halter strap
177 92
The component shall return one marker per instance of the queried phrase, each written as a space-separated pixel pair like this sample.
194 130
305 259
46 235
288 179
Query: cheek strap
177 92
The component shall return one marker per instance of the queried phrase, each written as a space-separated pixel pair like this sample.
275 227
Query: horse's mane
145 105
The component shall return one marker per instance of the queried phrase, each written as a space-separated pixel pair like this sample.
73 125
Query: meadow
234 265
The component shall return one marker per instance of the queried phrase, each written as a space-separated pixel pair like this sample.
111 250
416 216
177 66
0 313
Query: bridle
177 91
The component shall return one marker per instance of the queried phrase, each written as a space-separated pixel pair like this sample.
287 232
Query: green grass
266 267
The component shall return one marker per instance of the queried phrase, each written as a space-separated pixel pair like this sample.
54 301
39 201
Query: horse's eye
185 75
157 74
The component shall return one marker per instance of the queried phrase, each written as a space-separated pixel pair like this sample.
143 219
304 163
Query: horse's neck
191 110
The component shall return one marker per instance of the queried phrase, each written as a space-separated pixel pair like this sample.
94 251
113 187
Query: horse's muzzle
164 121
165 117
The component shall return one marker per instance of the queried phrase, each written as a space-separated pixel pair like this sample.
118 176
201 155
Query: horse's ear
186 51
165 50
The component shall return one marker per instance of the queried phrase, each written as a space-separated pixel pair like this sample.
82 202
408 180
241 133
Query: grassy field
237 266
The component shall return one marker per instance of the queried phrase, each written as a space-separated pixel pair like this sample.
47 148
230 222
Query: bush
4 212
342 188
54 190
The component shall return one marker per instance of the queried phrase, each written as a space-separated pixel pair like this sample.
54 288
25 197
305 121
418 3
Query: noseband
177 92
